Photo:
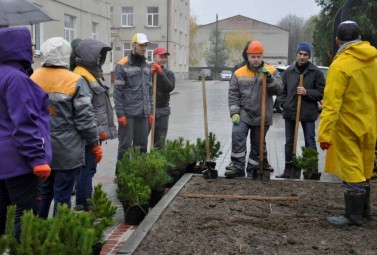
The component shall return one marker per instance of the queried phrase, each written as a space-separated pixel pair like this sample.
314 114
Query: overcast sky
269 11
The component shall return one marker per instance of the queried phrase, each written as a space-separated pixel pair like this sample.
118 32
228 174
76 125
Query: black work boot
287 171
230 174
295 173
367 207
353 212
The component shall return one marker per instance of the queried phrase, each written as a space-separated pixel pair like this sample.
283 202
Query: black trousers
21 191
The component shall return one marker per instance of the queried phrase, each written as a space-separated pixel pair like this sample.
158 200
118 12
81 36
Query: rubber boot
295 173
353 212
287 171
367 207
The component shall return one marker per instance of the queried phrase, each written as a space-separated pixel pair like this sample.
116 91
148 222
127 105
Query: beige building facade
274 39
165 22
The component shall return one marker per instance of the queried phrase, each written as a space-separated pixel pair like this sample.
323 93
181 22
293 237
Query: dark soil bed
234 226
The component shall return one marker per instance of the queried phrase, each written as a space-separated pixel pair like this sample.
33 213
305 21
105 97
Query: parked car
277 107
226 75
207 74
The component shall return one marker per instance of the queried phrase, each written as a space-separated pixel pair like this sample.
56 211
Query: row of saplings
66 233
142 178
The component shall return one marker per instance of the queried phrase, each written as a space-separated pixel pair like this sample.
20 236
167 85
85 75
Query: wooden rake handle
262 122
154 109
298 112
208 153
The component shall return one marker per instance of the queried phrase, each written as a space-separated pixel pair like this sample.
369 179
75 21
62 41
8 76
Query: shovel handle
154 109
262 122
205 116
298 111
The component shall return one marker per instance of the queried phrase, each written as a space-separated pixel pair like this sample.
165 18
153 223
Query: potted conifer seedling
309 163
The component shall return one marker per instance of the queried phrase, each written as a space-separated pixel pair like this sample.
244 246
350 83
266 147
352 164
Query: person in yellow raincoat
348 122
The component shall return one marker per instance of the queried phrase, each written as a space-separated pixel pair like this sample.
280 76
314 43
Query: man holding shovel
165 84
348 125
309 89
245 104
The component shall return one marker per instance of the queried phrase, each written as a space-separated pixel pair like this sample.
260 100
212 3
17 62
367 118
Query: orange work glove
151 119
156 68
122 121
325 145
42 171
97 150
102 136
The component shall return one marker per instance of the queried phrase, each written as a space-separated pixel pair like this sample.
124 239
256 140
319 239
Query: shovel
209 172
154 109
301 84
264 175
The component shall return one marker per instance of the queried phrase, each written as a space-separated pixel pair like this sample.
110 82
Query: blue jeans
58 186
84 181
309 134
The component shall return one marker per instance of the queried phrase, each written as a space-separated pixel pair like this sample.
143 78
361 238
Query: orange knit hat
255 47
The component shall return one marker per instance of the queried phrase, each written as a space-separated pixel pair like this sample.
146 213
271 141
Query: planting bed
237 226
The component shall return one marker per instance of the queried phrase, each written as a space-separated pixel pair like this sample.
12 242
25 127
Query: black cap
348 31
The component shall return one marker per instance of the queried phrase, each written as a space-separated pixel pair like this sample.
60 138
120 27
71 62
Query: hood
72 59
15 46
88 51
361 50
244 53
56 52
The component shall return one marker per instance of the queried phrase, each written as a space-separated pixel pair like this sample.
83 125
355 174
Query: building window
94 30
36 33
69 29
185 26
111 15
149 52
127 16
111 53
126 49
175 19
181 22
152 16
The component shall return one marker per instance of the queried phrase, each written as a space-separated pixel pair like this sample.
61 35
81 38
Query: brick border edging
131 244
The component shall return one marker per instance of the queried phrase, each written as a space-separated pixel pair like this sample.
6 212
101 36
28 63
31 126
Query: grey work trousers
135 133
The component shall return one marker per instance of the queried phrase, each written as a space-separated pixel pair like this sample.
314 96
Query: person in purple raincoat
25 148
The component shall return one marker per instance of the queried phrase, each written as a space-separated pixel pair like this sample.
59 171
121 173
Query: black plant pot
190 168
156 196
309 175
175 176
134 214
96 249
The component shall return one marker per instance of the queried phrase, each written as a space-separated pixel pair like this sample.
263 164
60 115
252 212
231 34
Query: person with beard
133 97
239 150
245 101
90 55
311 92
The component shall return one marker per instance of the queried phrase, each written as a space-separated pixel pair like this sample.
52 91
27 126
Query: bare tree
196 49
294 25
